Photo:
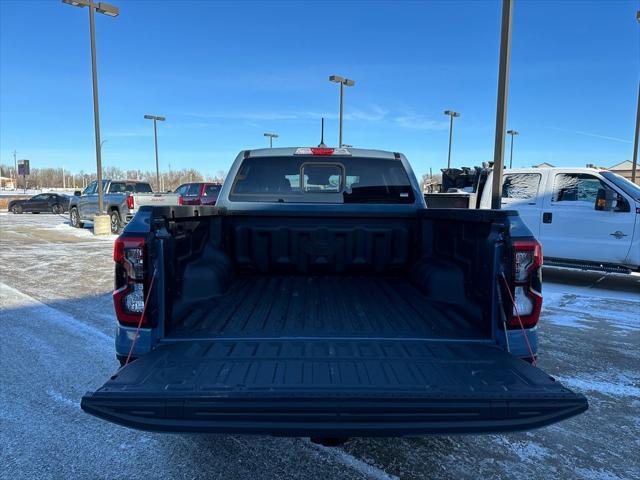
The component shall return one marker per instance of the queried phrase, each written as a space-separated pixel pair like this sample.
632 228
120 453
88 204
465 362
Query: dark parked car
199 193
42 203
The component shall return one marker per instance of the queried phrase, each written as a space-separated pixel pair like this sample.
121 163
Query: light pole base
101 225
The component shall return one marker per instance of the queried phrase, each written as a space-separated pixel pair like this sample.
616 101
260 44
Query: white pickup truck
584 217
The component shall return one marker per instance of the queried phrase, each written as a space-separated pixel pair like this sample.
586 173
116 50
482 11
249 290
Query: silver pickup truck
321 298
121 201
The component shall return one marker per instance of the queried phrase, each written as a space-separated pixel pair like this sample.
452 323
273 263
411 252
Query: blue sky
224 73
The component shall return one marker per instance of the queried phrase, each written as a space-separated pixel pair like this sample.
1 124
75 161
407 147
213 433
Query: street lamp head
104 8
451 113
109 10
155 117
272 135
512 132
345 81
77 3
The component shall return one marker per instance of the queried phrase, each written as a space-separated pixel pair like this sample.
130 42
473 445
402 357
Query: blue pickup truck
321 298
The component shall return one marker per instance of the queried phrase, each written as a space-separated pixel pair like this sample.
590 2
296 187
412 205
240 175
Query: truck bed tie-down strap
144 311
524 330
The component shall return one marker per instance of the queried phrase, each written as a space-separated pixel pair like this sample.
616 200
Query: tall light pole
271 137
15 171
501 108
634 163
110 11
513 133
155 119
453 115
349 83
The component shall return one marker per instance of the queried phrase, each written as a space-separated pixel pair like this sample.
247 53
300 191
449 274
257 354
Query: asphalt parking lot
57 321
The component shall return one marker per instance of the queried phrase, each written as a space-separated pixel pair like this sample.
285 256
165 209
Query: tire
116 223
16 209
74 218
57 209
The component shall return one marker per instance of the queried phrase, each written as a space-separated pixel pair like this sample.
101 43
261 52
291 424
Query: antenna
322 145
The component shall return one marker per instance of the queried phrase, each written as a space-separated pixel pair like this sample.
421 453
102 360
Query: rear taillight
180 201
130 203
526 284
131 280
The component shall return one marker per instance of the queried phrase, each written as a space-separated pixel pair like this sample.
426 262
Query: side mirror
77 193
605 200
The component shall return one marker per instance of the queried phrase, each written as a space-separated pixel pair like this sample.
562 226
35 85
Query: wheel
116 225
74 218
16 209
57 209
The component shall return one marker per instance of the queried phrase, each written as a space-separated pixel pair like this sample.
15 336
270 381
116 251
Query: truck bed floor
298 306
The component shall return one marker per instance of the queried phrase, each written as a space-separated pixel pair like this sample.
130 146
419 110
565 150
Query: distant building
6 183
544 165
624 170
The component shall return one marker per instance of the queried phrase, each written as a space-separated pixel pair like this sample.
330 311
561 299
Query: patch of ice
62 399
81 232
348 460
584 311
10 298
552 290
591 474
625 386
526 451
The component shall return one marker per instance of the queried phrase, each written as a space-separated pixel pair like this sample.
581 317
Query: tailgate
332 388
156 199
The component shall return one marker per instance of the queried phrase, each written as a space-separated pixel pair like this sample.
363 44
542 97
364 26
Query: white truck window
576 187
521 185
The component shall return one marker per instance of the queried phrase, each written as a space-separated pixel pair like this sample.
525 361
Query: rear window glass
143 188
309 179
117 187
211 190
521 185
319 177
193 190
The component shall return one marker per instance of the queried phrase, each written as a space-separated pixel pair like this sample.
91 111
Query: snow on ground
614 384
56 332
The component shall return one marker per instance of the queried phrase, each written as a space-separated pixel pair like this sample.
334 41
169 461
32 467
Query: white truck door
573 229
523 192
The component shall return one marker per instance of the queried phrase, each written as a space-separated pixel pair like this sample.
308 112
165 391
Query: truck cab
584 217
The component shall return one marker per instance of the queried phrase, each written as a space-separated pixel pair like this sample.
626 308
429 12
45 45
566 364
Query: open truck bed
327 319
327 306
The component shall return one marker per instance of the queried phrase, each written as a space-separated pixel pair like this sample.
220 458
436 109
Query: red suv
199 193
